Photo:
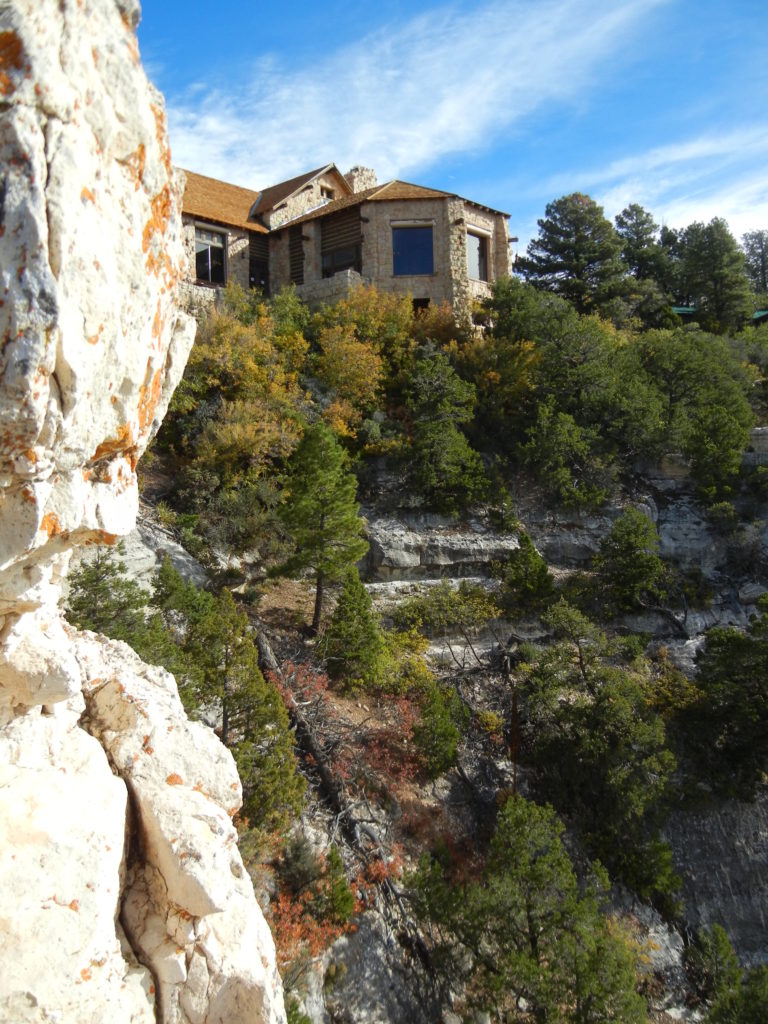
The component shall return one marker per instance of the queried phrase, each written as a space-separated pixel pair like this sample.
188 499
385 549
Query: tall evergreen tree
577 254
713 276
444 467
755 245
352 643
640 248
321 514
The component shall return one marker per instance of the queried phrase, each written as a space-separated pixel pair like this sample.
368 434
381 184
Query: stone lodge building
326 232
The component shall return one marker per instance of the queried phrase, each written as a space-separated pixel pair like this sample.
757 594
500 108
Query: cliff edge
124 896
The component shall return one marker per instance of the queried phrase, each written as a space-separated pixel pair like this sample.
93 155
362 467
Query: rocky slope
124 896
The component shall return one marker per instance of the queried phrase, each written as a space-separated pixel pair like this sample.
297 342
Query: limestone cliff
124 896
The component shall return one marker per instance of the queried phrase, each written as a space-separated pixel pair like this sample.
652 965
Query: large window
412 251
477 257
209 256
346 258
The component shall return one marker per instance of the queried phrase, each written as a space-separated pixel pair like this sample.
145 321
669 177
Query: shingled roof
217 201
275 194
390 191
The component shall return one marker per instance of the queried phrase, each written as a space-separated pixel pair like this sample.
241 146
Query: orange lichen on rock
136 163
161 135
161 215
50 524
174 780
11 58
87 195
149 396
123 443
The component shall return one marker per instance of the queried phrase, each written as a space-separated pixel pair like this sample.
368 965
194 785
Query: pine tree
526 582
321 513
713 275
102 597
352 643
628 564
527 931
755 245
577 254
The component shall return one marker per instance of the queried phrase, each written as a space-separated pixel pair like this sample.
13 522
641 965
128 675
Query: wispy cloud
449 81
719 174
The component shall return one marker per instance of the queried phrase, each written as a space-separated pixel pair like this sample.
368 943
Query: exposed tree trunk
318 603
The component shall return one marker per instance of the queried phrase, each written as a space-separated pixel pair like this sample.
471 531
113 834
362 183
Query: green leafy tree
640 248
445 609
600 752
444 467
631 574
744 1004
713 277
352 643
222 674
565 458
755 246
712 964
704 386
320 513
527 585
728 726
102 597
235 418
437 735
577 254
335 901
525 940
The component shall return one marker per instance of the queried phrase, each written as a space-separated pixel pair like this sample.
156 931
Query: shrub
527 585
352 644
437 735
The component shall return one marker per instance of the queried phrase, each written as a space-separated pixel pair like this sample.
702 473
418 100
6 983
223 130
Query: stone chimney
361 178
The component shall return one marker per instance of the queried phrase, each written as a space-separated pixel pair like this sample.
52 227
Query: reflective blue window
412 251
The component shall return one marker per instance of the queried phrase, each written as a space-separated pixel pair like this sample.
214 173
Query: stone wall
361 178
449 219
237 261
330 290
309 198
124 895
377 247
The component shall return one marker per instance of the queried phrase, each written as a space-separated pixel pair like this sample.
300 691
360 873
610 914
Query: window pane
217 265
209 256
477 257
412 251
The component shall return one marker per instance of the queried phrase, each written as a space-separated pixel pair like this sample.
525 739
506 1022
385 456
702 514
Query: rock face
124 896
723 852
422 546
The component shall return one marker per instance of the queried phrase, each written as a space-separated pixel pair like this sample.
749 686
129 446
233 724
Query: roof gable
276 194
218 201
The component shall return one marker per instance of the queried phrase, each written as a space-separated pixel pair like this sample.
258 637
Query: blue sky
511 103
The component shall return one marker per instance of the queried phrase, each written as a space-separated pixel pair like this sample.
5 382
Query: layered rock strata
124 896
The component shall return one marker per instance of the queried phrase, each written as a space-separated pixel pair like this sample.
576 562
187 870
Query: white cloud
715 175
449 81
